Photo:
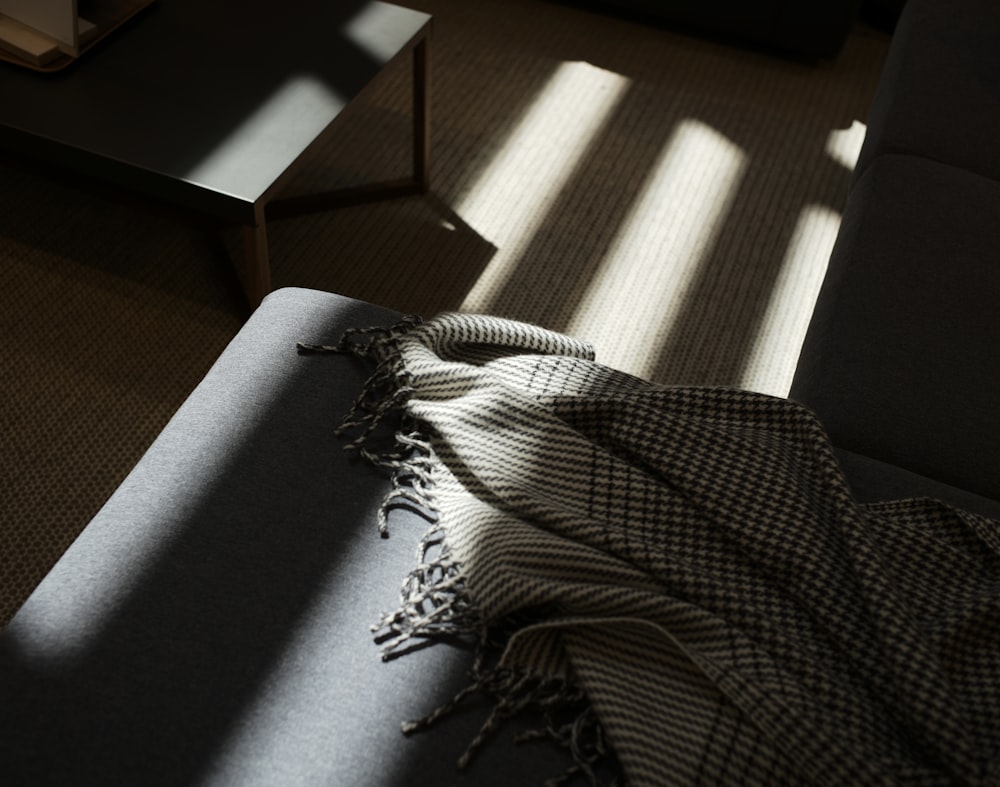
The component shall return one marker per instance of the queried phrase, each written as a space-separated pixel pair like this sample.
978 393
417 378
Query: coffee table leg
258 265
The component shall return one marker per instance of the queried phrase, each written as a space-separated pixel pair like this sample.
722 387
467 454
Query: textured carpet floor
672 199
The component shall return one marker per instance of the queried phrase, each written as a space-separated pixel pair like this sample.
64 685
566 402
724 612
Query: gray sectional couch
210 625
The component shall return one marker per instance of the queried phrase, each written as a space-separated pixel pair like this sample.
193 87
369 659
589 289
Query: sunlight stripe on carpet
511 199
640 288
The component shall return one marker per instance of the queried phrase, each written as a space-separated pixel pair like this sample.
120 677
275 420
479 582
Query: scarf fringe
434 605
567 719
385 393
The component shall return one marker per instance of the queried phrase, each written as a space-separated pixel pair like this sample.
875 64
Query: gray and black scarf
685 567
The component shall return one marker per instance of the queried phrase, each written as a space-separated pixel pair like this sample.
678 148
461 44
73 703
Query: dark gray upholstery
873 481
939 93
211 624
900 361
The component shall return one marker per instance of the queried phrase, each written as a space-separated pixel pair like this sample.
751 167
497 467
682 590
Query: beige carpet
671 199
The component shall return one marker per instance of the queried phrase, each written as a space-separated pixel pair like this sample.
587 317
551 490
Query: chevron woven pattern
691 560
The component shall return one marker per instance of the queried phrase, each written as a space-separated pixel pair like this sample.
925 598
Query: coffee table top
205 102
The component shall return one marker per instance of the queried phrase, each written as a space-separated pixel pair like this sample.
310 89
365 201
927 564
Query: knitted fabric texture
687 565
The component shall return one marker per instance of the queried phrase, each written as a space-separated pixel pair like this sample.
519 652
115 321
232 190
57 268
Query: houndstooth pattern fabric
694 561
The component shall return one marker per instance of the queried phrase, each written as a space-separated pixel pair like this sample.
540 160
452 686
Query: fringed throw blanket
688 565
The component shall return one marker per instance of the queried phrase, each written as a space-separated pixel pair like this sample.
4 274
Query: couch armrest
211 624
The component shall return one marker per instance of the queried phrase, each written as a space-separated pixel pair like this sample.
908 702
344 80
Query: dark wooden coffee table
211 105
